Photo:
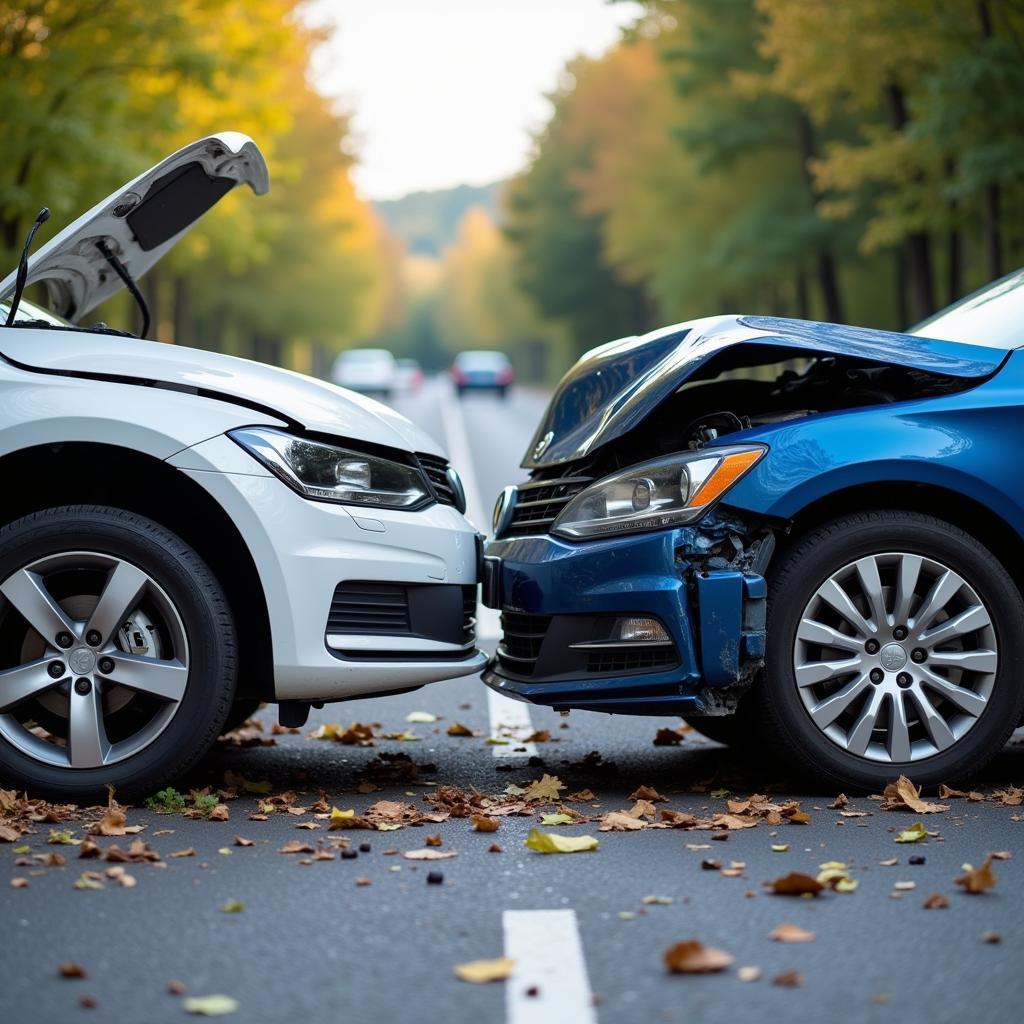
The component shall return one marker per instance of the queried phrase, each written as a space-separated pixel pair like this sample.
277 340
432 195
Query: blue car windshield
992 316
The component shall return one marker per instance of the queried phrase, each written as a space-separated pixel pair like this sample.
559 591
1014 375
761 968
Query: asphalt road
312 945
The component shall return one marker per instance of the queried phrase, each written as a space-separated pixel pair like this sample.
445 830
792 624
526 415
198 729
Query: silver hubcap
93 660
895 657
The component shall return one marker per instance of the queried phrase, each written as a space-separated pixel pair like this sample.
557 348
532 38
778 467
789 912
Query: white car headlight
329 473
665 492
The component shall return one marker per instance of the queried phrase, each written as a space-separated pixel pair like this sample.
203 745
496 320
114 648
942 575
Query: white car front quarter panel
303 549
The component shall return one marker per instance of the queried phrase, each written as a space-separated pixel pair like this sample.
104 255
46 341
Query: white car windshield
992 316
29 311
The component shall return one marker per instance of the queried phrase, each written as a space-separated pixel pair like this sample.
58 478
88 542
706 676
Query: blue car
798 535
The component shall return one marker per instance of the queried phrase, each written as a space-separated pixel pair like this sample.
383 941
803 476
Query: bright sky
448 91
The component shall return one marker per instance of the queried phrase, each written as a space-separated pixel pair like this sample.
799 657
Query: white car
185 534
370 371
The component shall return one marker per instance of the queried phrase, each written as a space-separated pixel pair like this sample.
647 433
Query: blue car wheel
894 647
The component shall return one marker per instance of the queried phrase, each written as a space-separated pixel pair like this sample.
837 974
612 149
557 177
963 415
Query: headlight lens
328 473
653 495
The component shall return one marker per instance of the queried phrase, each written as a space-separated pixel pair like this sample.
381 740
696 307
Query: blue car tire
894 647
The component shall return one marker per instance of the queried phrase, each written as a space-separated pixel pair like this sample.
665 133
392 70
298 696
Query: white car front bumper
304 549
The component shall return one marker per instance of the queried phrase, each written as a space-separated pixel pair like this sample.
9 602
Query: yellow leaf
479 972
917 833
559 818
421 717
545 842
210 1006
545 789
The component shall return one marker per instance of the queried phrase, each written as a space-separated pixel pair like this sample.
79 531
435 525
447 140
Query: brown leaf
69 969
678 819
540 736
789 979
693 957
138 852
481 823
240 841
1012 796
935 902
668 738
113 821
1001 855
189 851
977 880
458 729
19 883
903 795
795 884
175 987
647 793
429 854
9 834
494 848
363 881
89 848
840 802
992 938
433 840
620 821
787 932
220 813
296 846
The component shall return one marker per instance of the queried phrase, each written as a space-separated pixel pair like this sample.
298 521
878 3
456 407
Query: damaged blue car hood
615 386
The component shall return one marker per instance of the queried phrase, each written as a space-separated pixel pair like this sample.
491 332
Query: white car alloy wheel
101 660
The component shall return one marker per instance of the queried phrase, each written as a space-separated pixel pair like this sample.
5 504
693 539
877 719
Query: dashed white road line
545 945
509 719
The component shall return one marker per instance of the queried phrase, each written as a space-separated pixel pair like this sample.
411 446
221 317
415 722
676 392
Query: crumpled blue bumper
553 592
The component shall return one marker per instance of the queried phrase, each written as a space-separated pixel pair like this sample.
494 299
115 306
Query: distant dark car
482 371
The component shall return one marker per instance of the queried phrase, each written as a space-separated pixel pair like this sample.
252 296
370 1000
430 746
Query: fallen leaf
220 813
544 790
458 729
480 972
558 818
795 884
70 969
429 854
494 848
647 793
935 902
113 821
420 717
296 846
662 901
787 932
668 738
481 823
789 979
620 821
904 886
232 907
992 938
540 736
175 987
239 841
433 840
546 842
780 847
749 973
187 852
19 883
89 880
358 734
1001 855
903 795
210 1006
693 957
840 802
1012 796
889 862
977 880
9 834
917 833
363 881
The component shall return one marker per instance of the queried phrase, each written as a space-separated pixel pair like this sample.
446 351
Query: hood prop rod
19 286
122 272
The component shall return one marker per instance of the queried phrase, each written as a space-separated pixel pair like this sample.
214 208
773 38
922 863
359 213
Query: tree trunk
955 268
802 305
993 231
918 244
902 308
182 324
828 279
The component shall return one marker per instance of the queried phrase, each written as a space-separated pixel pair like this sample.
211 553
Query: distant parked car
482 371
408 375
370 371
799 535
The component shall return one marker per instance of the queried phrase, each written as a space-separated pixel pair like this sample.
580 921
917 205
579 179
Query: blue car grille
539 502
521 638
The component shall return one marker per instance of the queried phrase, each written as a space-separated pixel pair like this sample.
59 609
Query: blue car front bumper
556 598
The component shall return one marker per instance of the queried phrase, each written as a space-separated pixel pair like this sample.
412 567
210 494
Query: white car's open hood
141 221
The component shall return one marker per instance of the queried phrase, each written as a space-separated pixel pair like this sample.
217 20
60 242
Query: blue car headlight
326 472
665 492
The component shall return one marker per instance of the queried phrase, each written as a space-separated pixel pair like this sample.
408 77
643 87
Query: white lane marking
510 722
509 718
461 457
545 945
